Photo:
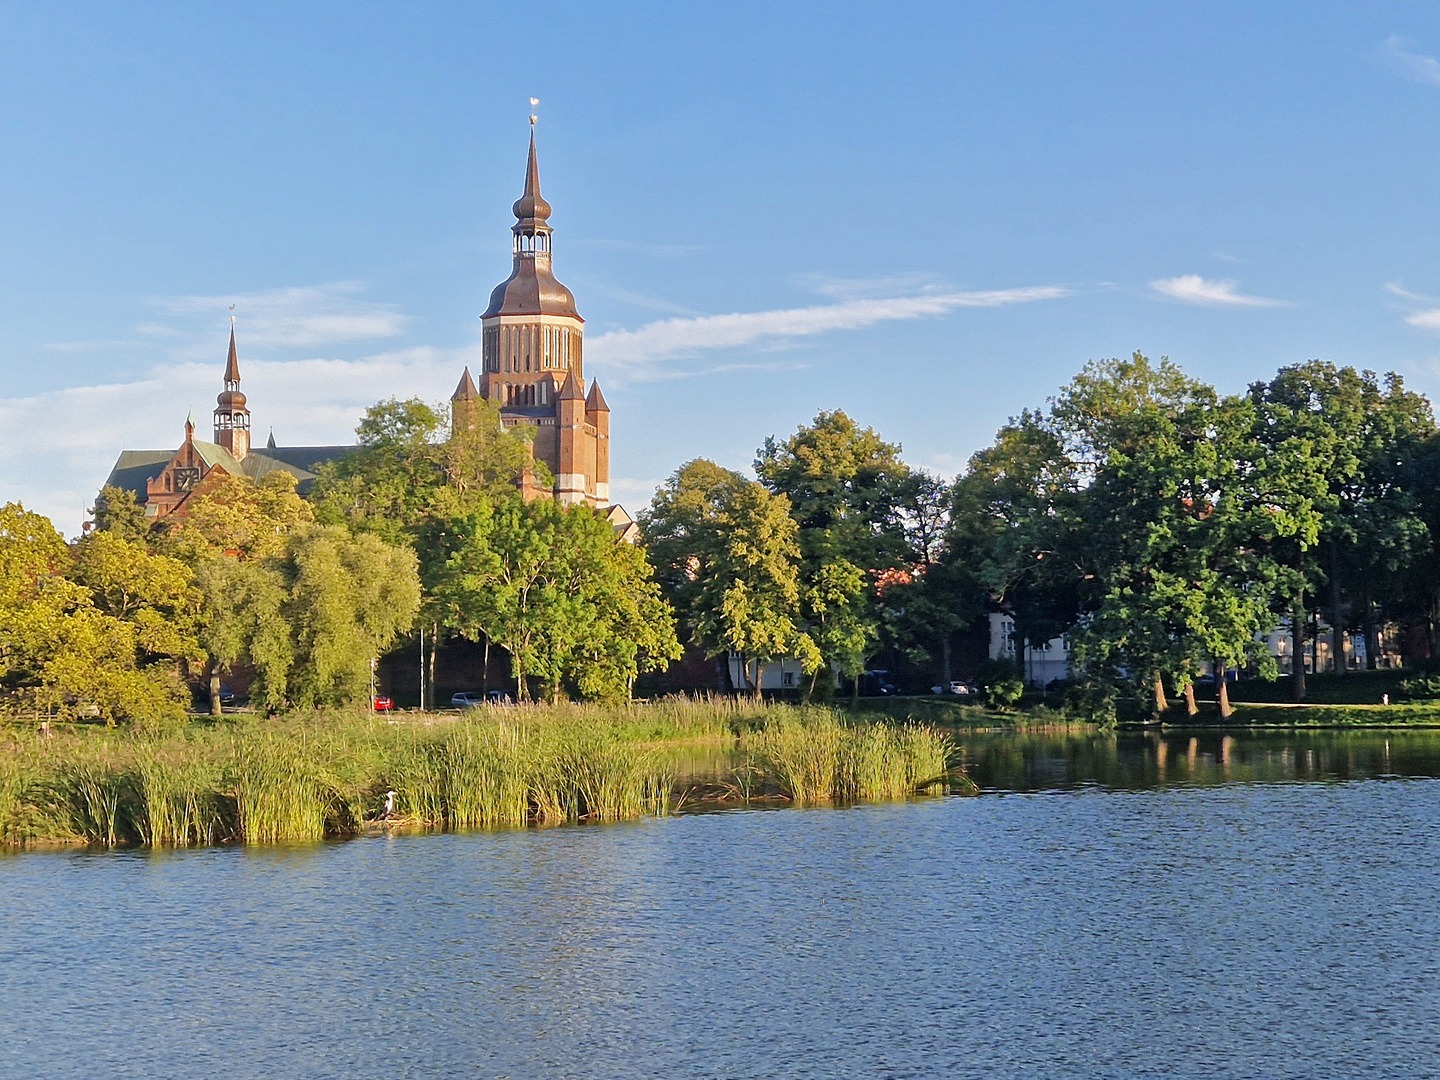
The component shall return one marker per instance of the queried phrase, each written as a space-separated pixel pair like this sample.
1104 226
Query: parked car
955 687
384 704
465 699
876 683
499 697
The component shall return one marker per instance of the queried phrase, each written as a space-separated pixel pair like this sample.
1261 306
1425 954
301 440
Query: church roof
596 401
531 288
135 467
466 390
531 207
572 390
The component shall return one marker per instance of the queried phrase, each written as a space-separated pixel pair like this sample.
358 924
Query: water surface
1275 921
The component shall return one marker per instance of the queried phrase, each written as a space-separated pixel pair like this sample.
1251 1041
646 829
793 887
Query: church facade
532 366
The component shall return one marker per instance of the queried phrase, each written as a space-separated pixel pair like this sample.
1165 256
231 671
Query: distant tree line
1163 527
1160 525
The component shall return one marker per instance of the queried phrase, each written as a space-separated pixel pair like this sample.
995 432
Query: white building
1042 663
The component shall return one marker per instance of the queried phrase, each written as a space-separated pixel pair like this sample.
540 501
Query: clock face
186 478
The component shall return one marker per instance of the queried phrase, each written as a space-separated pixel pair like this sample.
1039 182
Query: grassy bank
1277 714
256 781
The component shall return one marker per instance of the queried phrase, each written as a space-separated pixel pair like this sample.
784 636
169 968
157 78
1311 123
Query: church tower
532 359
232 419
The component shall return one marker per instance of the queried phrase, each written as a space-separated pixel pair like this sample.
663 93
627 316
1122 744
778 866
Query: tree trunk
1372 632
434 648
1337 624
1191 709
214 688
759 669
1222 690
855 691
945 662
485 672
1297 649
1161 704
810 690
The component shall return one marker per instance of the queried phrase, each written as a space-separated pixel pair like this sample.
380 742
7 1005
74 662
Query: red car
384 704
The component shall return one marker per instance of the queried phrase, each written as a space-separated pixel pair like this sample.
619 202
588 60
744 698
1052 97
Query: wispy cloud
56 448
1417 66
634 351
300 318
1194 289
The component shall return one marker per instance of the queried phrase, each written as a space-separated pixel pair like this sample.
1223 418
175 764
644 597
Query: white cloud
1421 68
633 351
1194 289
1430 320
300 318
56 448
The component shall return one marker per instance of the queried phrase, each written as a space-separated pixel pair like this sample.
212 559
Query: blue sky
929 215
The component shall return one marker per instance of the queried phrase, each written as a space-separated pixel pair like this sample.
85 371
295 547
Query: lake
1265 906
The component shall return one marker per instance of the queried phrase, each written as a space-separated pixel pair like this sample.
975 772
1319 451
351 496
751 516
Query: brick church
532 365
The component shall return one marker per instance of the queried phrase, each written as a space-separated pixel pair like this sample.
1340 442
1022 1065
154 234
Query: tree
349 597
726 551
62 653
556 588
847 491
253 519
243 622
117 511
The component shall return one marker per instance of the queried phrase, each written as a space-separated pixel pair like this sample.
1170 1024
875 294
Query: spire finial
534 104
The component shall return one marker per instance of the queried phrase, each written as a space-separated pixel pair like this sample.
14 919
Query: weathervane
232 314
534 102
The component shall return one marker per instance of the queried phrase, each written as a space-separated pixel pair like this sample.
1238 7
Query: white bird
389 804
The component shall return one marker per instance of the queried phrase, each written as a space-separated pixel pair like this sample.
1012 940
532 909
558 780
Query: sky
930 216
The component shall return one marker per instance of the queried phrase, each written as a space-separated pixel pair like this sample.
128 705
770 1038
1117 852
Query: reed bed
305 777
812 756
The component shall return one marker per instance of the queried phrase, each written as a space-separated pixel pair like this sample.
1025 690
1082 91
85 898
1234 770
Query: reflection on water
1138 761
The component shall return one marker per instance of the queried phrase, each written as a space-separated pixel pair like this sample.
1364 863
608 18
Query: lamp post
372 683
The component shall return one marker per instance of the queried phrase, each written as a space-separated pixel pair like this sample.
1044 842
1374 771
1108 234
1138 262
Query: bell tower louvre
532 359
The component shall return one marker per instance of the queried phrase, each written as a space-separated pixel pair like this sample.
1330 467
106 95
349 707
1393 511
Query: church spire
232 363
531 209
232 419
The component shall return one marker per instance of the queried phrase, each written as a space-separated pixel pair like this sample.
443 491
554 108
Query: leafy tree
243 622
117 511
62 653
726 551
253 519
350 597
554 587
155 593
846 488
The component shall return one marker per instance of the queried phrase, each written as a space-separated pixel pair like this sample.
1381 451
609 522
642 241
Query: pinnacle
466 390
232 364
572 390
596 401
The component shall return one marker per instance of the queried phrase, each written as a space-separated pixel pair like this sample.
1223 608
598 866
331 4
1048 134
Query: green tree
350 596
726 551
847 491
62 654
556 588
243 622
117 511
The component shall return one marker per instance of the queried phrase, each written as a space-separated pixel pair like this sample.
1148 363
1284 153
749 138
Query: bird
389 805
